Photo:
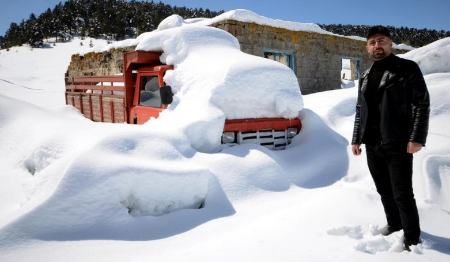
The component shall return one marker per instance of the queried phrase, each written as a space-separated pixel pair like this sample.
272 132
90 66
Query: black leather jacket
404 105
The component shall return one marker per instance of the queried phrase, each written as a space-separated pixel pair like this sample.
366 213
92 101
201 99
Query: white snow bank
432 58
436 164
42 83
34 145
348 83
62 168
440 99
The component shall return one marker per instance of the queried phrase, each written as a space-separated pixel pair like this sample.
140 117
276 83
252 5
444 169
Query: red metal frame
133 60
143 113
254 124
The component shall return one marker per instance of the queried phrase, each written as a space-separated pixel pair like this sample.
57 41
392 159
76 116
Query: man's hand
414 147
356 149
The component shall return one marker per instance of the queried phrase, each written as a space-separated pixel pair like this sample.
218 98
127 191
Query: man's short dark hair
379 30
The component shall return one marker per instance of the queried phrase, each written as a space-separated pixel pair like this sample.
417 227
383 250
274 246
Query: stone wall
98 64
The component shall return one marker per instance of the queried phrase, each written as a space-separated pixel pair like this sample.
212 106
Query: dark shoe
407 243
387 230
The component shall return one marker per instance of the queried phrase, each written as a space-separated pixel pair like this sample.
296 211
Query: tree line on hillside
410 36
109 19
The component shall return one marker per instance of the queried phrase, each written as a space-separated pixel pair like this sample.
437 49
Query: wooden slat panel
95 87
77 103
96 79
98 107
106 110
69 99
116 96
119 112
86 107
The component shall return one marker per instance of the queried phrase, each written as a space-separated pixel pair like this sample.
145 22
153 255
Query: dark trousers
391 169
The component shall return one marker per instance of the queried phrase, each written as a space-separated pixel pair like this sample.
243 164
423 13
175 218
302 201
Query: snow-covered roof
247 16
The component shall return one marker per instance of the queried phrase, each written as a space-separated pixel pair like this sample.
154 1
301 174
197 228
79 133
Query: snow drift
432 58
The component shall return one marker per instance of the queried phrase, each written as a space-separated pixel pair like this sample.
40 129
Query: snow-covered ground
75 190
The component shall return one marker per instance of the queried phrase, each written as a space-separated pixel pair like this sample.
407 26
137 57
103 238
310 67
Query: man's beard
378 54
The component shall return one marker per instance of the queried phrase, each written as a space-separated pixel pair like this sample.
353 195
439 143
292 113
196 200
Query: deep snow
74 190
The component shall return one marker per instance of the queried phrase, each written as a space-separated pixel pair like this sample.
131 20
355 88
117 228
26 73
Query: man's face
379 47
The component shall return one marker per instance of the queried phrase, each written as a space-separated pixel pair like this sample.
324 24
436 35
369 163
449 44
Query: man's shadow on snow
440 244
317 157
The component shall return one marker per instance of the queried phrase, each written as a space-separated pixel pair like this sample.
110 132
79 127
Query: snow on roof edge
247 16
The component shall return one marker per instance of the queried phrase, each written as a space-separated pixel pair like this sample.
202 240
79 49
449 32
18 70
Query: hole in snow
121 145
30 166
151 207
154 193
41 159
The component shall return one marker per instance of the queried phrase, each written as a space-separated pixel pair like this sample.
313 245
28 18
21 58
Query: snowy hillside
74 190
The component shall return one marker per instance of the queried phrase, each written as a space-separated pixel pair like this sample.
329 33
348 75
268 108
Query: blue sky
433 14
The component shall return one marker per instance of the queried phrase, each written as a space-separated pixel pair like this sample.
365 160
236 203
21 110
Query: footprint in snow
370 240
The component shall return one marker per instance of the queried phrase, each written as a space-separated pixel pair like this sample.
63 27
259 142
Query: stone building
316 58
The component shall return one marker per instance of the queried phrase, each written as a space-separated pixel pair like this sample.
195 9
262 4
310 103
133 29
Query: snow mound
432 58
103 176
439 100
348 83
170 22
437 168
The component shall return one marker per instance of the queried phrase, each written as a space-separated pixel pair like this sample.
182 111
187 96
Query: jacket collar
384 79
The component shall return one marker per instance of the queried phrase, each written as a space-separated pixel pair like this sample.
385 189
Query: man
391 118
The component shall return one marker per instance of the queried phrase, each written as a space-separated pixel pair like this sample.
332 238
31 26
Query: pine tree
14 35
33 32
